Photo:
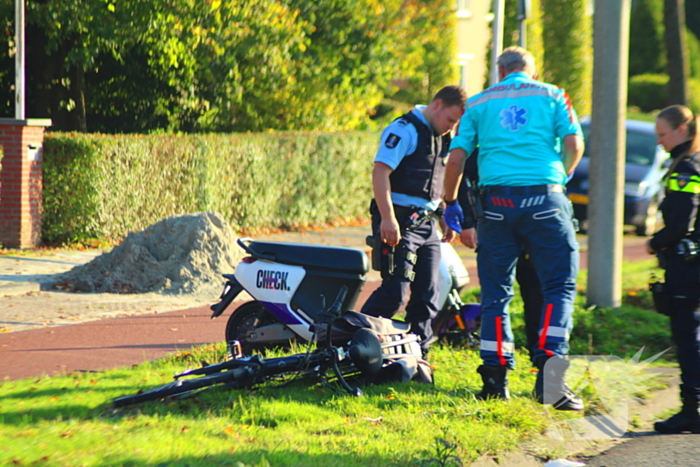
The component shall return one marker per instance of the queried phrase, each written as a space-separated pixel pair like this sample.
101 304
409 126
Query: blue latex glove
454 216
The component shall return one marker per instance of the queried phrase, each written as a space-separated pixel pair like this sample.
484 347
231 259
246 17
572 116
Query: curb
643 412
8 288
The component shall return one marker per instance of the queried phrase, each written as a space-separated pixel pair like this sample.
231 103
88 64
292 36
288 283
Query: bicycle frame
364 351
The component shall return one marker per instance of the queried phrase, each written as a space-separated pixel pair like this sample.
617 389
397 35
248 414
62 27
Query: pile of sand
178 255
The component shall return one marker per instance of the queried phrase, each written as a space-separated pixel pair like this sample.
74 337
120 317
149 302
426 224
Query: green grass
634 113
69 420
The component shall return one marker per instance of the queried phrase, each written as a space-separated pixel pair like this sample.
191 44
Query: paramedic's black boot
551 388
687 419
495 380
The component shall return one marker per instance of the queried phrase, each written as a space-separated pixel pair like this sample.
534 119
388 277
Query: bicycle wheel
237 378
248 374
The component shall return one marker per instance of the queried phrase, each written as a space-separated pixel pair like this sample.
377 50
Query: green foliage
647 52
213 66
101 186
72 178
533 30
692 16
535 36
511 35
693 54
649 92
426 50
568 56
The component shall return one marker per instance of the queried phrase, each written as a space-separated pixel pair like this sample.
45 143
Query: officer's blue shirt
398 140
518 125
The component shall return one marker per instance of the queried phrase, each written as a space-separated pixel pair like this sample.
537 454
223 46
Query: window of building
462 64
464 5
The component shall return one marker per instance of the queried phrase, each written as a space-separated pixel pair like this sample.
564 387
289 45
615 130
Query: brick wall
21 182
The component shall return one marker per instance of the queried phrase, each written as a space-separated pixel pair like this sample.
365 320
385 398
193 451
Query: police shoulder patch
392 140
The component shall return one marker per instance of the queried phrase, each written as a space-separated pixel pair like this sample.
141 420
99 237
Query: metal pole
607 150
498 16
524 10
19 60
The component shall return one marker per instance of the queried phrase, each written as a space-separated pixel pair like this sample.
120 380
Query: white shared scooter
291 282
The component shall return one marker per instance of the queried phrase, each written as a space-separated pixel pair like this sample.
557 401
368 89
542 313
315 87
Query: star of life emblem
513 117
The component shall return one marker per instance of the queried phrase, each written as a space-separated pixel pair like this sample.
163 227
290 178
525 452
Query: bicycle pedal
235 350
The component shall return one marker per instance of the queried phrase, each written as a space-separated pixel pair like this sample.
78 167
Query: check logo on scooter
272 280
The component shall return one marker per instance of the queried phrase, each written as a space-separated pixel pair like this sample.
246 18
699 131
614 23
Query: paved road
651 450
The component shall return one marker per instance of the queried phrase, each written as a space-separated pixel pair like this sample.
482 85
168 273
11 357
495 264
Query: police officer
529 139
676 245
407 181
525 274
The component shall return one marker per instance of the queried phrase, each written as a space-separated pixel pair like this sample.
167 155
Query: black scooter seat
338 259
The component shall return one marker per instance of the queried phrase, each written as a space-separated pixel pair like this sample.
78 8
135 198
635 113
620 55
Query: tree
677 51
511 35
428 49
533 30
568 57
647 53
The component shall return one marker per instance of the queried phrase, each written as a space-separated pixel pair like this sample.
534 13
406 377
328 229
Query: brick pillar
21 181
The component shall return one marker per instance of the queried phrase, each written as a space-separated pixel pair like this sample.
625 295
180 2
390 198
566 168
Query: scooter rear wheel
246 318
447 330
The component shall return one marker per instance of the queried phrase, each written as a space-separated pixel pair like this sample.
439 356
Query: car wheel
582 226
649 225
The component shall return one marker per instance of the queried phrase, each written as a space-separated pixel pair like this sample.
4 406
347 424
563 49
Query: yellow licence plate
578 198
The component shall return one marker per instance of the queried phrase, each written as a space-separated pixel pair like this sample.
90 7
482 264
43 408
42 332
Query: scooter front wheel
244 321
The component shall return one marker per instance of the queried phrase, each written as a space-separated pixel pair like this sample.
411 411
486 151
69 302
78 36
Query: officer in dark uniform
677 247
525 274
407 181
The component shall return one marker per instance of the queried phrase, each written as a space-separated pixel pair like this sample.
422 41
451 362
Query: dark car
645 166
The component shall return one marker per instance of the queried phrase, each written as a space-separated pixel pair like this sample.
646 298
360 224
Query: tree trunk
77 92
677 52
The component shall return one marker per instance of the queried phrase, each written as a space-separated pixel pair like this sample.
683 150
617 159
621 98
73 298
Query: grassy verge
69 420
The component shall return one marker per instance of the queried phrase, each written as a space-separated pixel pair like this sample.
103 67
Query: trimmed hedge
102 187
649 92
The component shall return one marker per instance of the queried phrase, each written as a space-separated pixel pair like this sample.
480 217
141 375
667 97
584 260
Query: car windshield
641 147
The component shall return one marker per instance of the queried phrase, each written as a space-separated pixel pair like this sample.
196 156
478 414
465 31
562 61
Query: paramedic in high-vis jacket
529 139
